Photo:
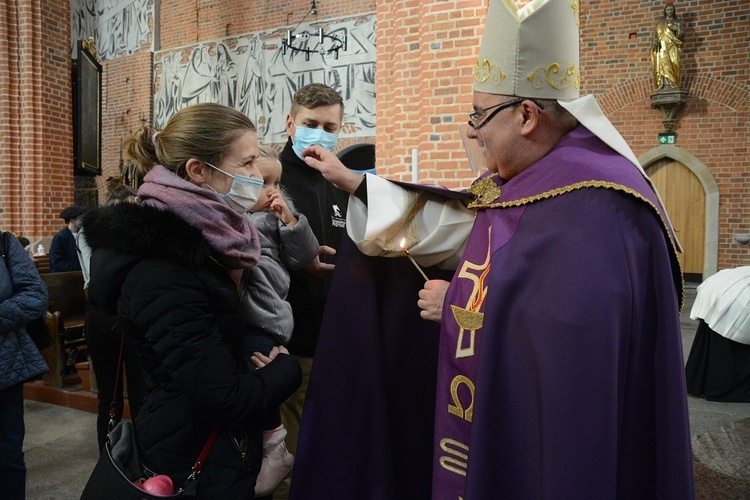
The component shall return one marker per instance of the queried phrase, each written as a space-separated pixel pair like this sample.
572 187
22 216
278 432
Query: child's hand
261 360
281 209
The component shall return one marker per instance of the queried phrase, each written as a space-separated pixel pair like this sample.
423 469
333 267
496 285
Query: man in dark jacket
62 251
315 118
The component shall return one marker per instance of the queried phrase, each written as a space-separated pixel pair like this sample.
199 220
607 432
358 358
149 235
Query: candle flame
403 244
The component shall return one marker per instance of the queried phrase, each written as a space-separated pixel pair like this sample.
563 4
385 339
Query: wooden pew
54 355
42 263
65 319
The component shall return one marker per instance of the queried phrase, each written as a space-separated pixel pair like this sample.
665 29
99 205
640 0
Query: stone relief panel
119 27
250 73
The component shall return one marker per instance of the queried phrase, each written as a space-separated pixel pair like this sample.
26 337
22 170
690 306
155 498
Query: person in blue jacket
23 298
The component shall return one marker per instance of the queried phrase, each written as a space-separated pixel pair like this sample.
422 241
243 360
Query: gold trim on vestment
480 204
484 191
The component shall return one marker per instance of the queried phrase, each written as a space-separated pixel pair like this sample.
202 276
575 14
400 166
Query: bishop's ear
531 115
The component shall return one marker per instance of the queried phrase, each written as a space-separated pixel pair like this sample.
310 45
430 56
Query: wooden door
685 201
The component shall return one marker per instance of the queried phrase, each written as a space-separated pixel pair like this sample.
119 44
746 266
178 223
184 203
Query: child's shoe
277 461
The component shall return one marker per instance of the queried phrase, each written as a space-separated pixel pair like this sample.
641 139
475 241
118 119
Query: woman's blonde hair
203 131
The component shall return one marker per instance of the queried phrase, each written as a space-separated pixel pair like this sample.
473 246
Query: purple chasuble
367 425
560 368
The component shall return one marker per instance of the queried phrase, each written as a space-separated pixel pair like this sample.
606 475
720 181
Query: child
287 242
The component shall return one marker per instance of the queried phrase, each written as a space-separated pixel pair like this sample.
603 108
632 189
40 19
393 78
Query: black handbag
36 328
119 464
115 471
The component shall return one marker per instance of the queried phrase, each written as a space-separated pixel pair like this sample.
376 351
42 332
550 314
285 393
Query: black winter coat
325 209
180 308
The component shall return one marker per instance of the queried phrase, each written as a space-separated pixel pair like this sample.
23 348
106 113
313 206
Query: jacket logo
337 218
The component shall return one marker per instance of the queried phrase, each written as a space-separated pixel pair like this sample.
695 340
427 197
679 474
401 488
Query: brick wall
426 53
36 151
53 77
126 106
426 56
10 165
713 125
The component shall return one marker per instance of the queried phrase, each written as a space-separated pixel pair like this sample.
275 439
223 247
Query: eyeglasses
476 115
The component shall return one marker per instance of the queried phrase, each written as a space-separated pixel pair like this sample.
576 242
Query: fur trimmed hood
142 231
122 235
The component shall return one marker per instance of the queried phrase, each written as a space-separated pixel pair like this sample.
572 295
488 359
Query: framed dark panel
87 112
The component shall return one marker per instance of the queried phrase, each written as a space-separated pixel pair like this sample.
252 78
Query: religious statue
666 48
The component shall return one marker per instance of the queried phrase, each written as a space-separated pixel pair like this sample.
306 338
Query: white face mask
244 192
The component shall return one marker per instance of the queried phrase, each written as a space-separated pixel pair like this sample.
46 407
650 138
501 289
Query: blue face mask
304 137
244 192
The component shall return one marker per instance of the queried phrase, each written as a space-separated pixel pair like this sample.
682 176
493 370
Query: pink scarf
233 239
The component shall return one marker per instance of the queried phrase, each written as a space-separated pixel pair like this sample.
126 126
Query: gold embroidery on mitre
484 191
575 8
488 71
571 76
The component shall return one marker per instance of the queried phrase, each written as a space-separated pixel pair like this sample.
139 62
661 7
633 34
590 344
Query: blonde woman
170 268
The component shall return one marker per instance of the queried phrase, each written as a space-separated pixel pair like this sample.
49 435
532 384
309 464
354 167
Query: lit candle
403 247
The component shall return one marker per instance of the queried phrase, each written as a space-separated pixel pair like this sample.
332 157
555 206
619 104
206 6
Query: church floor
60 443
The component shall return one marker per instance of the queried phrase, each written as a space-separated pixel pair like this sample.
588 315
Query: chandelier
301 42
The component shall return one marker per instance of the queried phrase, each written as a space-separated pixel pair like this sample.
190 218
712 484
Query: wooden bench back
42 263
66 293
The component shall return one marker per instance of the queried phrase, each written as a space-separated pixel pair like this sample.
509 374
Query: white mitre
534 52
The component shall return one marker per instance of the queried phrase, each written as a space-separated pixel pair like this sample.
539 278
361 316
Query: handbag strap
198 466
113 404
191 485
